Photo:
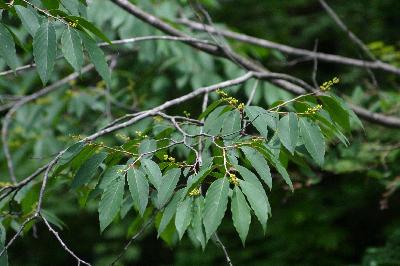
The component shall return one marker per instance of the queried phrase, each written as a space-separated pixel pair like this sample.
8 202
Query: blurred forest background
346 213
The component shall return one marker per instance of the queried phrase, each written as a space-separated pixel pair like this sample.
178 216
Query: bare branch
343 26
65 247
219 242
388 121
133 238
295 51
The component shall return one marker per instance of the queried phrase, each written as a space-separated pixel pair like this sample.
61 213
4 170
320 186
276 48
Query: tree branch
343 27
22 102
325 57
388 121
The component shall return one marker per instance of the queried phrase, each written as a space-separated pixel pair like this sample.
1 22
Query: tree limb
388 121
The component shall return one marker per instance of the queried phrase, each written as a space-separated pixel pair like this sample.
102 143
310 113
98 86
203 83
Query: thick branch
292 50
288 86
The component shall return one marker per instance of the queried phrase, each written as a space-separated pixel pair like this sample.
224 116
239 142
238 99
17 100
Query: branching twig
343 27
22 102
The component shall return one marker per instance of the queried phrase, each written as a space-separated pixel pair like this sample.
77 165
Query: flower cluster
195 192
313 110
231 100
328 84
73 24
233 179
169 158
140 134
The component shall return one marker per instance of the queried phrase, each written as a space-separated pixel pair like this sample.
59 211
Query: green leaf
72 48
51 4
153 172
44 50
183 216
259 163
250 177
338 114
28 18
195 180
169 181
111 201
261 119
97 57
231 125
169 211
215 205
210 108
7 47
197 220
4 257
111 174
288 131
87 170
53 219
214 122
89 26
278 166
240 213
313 140
257 202
71 5
139 188
68 155
147 145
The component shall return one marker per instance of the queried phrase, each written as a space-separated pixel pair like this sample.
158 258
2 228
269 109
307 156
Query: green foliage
45 49
7 48
244 147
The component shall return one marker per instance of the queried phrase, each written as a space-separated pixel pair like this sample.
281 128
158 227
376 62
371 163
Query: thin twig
343 26
315 67
133 238
64 246
219 242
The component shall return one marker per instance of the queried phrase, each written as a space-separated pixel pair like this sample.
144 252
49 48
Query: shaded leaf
183 216
215 205
259 163
44 50
28 18
97 57
240 213
7 47
257 202
197 220
87 170
261 119
139 188
153 172
169 211
72 48
169 181
288 131
313 140
110 202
